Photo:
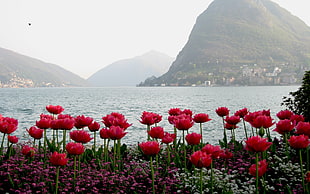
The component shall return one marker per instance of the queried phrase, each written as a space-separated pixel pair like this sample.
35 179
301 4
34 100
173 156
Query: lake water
26 104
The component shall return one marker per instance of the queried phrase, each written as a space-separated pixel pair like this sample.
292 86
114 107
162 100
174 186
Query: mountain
130 72
241 42
17 70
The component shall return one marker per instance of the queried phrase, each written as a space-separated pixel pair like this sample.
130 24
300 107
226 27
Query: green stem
200 125
184 150
34 142
245 131
64 140
168 150
57 176
114 155
152 173
95 142
148 127
2 142
74 169
308 164
201 184
175 140
212 177
302 171
256 181
225 135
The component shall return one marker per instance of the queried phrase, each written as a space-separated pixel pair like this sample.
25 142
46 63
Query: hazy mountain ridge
233 38
17 70
130 72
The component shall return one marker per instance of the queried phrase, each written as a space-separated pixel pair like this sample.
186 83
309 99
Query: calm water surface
26 105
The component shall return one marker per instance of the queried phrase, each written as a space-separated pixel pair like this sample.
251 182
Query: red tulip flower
168 138
232 120
201 159
104 133
115 119
214 151
297 118
150 118
284 114
54 109
225 154
28 151
174 111
75 148
82 121
80 136
257 144
156 132
201 118
150 147
34 132
116 132
262 121
303 128
8 125
222 111
94 126
66 123
262 168
43 123
242 112
230 127
12 139
299 142
183 122
284 126
187 112
193 138
58 159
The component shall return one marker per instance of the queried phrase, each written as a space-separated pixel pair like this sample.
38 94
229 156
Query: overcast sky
83 36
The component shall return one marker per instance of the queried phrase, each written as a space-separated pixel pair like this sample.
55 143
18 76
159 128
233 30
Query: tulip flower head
299 142
28 151
232 120
34 132
75 148
168 138
284 114
262 168
150 118
303 128
12 139
43 123
183 122
193 138
94 126
81 121
201 159
284 126
150 148
214 151
242 112
80 136
201 118
156 132
116 132
174 111
116 119
257 144
222 111
262 121
54 109
58 159
104 133
8 125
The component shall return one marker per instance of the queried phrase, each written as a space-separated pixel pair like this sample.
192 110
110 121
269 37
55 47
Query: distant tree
299 103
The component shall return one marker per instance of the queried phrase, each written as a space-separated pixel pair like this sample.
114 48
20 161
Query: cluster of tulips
188 152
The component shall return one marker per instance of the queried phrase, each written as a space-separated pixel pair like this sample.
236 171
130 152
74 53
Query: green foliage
299 102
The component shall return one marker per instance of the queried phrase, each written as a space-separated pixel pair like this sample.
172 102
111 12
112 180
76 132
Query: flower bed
168 162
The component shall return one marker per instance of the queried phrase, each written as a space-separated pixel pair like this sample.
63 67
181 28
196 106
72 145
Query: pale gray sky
83 36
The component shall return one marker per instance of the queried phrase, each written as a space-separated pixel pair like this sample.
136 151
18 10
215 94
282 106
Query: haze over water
26 105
